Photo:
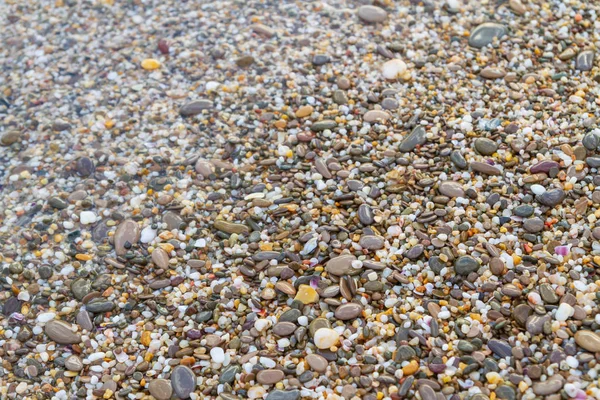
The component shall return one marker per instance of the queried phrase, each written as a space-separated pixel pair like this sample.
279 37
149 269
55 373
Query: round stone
316 362
393 69
325 338
269 376
465 265
348 311
485 146
372 14
183 381
160 389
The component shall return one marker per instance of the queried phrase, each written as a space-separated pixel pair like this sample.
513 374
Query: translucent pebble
393 69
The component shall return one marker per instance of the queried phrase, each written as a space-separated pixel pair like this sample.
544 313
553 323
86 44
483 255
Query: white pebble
87 217
218 355
393 69
148 234
564 312
538 189
45 317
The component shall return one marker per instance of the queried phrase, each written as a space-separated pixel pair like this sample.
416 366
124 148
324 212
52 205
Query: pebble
465 265
451 189
127 233
485 33
348 311
341 265
61 332
585 60
325 338
183 381
269 376
372 14
160 389
393 69
588 340
317 362
195 107
417 137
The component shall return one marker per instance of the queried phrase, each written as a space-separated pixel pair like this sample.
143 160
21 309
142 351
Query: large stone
588 340
485 33
127 232
61 332
183 381
417 137
372 14
342 265
195 107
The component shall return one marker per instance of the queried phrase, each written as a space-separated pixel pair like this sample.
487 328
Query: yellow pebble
145 339
150 64
411 368
307 294
83 257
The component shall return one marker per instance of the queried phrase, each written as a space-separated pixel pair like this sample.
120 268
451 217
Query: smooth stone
321 59
372 242
415 252
290 315
74 363
317 324
535 323
389 104
404 353
283 395
230 227
465 265
485 168
173 220
57 203
457 158
160 258
372 14
417 137
551 198
588 340
195 107
10 137
128 231
524 210
348 311
316 362
228 374
84 321
517 7
322 125
492 73
365 214
342 265
322 168
284 328
593 162
585 60
543 166
85 166
521 313
10 306
80 288
99 305
204 168
500 348
427 393
436 265
325 338
590 141
533 225
375 116
485 33
550 386
485 146
548 294
160 389
61 332
269 376
451 189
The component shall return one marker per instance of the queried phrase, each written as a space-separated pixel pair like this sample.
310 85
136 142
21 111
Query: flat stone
590 141
548 294
322 125
588 340
524 210
485 33
348 311
416 138
84 320
160 389
427 393
228 373
465 265
100 305
321 59
183 381
365 214
521 313
316 362
61 332
500 348
204 168
492 73
585 60
74 363
485 146
404 353
376 116
230 227
80 288
451 189
284 395
160 258
415 252
485 168
371 14
535 323
371 242
342 265
10 306
269 376
533 225
284 328
550 386
544 166
552 198
593 162
128 231
195 107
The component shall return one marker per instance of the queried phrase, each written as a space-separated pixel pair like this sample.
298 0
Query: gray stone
195 107
322 125
61 332
365 214
342 265
465 265
533 225
485 168
160 389
371 242
415 252
485 33
348 311
500 348
372 14
457 158
584 60
524 210
417 137
485 146
552 197
284 395
451 189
